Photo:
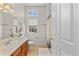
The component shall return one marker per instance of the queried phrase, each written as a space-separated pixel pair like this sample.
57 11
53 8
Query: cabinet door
24 51
17 52
27 48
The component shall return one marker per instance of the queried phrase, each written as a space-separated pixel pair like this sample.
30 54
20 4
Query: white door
65 30
63 40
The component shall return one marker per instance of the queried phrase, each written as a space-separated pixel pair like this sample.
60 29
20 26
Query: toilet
31 43
31 39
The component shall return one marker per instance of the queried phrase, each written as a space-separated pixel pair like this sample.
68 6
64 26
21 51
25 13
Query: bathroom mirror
17 29
12 23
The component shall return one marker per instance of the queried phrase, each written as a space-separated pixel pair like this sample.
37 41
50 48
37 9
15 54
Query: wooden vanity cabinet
22 50
25 49
17 52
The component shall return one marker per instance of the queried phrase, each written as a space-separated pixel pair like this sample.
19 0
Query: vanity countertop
6 49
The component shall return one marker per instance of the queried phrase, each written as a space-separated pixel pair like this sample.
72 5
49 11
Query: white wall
48 10
19 10
76 27
6 21
54 28
41 30
0 27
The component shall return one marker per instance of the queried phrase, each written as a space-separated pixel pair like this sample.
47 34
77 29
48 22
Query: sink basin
7 42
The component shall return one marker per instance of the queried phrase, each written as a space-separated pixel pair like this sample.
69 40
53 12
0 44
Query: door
66 43
62 19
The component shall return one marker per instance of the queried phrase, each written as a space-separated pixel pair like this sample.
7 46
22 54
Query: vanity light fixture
5 7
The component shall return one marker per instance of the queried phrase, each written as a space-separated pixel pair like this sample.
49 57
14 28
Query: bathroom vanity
17 47
12 29
22 50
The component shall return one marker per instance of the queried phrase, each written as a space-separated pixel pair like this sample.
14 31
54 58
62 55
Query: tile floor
34 51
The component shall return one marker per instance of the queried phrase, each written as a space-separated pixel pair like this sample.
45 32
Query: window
33 24
32 13
33 28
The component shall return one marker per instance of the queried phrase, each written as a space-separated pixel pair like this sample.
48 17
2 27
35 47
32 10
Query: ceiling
19 8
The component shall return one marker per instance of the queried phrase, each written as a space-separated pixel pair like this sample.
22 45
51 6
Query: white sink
7 42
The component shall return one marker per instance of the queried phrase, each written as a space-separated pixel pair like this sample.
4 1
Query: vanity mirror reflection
6 21
11 26
13 41
16 30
